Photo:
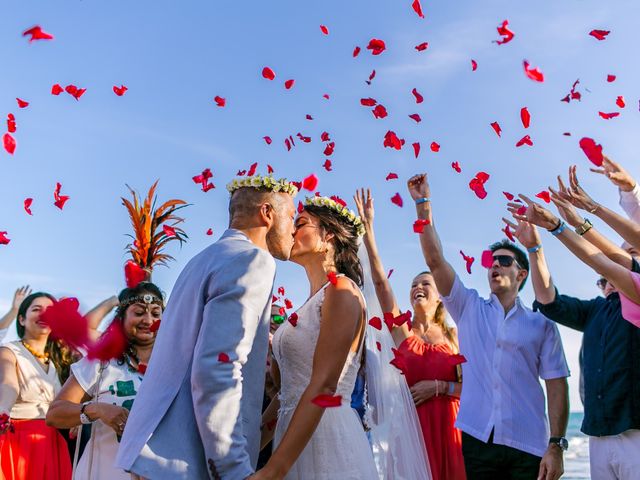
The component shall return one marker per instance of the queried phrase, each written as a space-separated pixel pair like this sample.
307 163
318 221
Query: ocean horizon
576 459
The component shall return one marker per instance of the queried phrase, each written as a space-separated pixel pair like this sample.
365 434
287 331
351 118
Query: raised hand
525 232
562 200
617 174
364 203
576 194
535 214
418 186
19 296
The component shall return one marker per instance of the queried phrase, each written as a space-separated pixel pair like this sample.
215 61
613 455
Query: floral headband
147 299
339 206
266 182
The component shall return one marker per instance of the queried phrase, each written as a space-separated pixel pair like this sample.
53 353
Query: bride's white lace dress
339 448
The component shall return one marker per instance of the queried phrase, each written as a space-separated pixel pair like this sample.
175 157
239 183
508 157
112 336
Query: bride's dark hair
345 241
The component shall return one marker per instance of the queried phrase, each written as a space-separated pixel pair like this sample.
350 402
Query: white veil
395 434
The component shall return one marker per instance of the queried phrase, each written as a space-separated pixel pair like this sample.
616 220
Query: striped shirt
506 356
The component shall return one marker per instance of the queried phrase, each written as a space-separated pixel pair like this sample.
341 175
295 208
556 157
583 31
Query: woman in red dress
428 348
29 449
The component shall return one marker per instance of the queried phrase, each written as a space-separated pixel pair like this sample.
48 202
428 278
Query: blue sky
175 57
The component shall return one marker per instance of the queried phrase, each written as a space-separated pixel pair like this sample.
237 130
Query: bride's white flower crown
338 206
266 182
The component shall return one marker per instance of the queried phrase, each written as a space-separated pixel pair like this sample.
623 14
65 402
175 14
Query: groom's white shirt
196 416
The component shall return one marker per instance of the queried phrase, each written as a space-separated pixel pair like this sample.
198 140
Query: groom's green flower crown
266 182
340 206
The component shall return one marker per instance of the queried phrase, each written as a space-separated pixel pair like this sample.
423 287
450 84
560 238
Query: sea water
576 459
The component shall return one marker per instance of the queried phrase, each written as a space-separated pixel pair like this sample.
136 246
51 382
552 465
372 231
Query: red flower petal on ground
332 278
391 176
379 111
356 52
608 116
507 232
417 8
289 83
544 196
155 326
9 143
611 78
267 140
469 261
223 358
391 140
327 401
368 102
509 196
599 34
422 47
620 102
27 205
474 65
397 200
435 147
268 73
416 117
419 98
533 73
3 238
416 149
220 102
496 128
37 33
111 344
56 89
119 91
327 165
376 323
210 231
376 46
487 259
526 140
324 29
419 224
456 167
504 31
310 183
133 274
525 116
293 319
592 150
22 103
169 231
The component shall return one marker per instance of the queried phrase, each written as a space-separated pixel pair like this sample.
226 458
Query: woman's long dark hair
61 355
345 241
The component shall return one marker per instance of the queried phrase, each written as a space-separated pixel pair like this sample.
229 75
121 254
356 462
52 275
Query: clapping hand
535 214
618 175
364 203
418 186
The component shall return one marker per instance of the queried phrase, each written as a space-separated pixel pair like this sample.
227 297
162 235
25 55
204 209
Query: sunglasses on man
506 261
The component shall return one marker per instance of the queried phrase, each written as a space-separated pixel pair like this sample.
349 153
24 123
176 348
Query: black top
611 366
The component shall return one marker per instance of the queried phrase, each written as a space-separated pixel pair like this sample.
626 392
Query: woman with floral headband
319 353
102 393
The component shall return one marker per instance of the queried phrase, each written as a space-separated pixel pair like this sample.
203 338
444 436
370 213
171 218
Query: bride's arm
341 319
384 292
270 415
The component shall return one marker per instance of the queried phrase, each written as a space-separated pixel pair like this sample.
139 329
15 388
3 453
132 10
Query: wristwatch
584 228
560 442
84 418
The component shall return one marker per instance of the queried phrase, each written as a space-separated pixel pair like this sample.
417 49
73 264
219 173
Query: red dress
424 361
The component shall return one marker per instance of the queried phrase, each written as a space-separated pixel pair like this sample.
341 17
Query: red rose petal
474 65
544 196
435 147
356 52
456 167
267 140
376 46
507 232
611 78
324 29
599 34
496 128
526 140
398 360
379 111
119 91
268 73
281 291
417 8
525 117
293 319
592 150
509 196
620 102
391 176
22 103
368 102
504 31
372 75
416 117
210 231
333 278
288 304
133 274
419 98
328 150
327 165
27 205
389 273
169 231
397 200
419 224
310 183
111 344
422 47
487 259
379 346
469 261
220 102
391 140
37 33
477 184
9 143
4 240
533 73
289 83
56 89
376 323
327 401
608 116
223 358
416 149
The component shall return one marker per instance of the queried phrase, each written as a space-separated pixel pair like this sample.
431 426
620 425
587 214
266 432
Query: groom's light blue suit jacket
197 415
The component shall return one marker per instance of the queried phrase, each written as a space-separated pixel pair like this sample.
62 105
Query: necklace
129 355
43 357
